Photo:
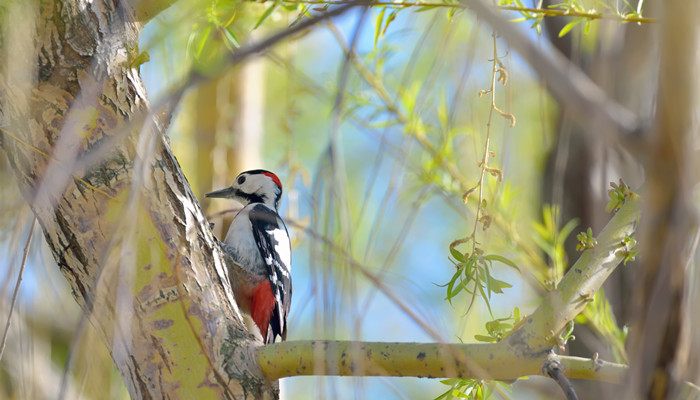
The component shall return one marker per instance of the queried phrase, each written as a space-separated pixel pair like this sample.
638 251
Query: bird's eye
241 179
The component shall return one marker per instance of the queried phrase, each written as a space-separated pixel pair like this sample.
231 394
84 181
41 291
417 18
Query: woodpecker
258 242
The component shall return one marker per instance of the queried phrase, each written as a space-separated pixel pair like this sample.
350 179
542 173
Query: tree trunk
114 206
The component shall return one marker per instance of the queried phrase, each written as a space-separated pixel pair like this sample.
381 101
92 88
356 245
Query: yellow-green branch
581 282
497 361
538 11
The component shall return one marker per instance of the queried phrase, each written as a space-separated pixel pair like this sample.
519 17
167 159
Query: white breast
241 243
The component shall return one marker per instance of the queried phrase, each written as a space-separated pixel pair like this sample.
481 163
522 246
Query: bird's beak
224 193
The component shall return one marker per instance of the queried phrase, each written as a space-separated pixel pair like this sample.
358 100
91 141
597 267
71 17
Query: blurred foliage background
378 123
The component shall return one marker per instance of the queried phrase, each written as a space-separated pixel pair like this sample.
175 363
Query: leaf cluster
585 240
579 11
474 276
550 239
475 389
618 194
499 328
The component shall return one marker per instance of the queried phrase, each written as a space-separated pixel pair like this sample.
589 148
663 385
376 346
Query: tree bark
114 206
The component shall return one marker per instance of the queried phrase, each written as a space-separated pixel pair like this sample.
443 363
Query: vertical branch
668 218
16 291
498 74
485 158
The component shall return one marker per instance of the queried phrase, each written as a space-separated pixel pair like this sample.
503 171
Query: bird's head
255 186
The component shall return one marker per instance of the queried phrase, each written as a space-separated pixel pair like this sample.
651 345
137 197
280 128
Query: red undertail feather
262 304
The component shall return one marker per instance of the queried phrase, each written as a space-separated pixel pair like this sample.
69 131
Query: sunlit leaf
484 338
457 255
389 20
378 26
202 41
302 13
502 260
228 32
268 12
568 27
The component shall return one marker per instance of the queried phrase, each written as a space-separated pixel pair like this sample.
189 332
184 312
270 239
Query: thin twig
547 12
485 158
553 369
16 291
588 103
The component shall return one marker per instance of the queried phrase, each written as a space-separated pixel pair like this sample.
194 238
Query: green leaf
462 286
228 32
497 286
389 20
487 275
505 385
143 57
190 44
485 297
502 260
569 26
457 255
450 13
567 229
540 230
484 338
202 41
378 26
267 13
304 11
450 287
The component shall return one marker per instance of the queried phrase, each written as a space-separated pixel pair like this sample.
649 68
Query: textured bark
423 360
114 206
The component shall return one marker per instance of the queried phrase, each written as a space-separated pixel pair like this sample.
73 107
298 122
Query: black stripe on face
251 197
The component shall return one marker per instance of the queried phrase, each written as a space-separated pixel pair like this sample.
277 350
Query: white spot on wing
282 248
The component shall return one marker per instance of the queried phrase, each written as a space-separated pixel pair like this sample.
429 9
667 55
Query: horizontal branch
547 12
593 369
423 360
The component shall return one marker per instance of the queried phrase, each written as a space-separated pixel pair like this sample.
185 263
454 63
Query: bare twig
553 369
16 291
586 101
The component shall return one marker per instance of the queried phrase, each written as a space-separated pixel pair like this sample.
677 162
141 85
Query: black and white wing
272 239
